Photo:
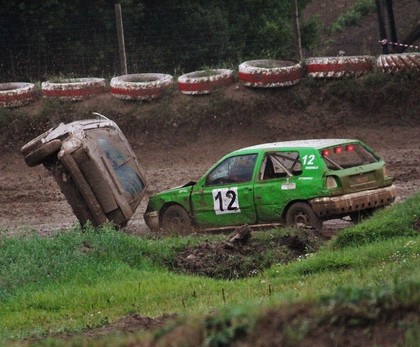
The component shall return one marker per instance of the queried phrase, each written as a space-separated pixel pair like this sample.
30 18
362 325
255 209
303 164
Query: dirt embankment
178 137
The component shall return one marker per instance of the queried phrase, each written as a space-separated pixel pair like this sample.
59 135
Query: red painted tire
204 82
73 89
144 86
393 63
16 94
269 73
336 67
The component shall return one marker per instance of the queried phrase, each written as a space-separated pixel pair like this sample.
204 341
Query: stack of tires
15 94
341 66
204 81
394 63
73 89
143 86
269 73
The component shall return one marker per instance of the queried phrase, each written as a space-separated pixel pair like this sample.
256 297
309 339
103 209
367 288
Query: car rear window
347 156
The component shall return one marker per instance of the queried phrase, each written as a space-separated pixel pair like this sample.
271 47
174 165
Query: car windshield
347 156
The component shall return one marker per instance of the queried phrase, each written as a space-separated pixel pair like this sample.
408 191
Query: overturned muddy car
95 168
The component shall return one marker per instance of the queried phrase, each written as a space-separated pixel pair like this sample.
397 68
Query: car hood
178 189
180 195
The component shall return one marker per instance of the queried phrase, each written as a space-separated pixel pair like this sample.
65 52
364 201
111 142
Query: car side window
233 170
280 164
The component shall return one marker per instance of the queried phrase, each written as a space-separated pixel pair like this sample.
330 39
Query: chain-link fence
44 40
351 27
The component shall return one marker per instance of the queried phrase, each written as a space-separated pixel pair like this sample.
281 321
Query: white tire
269 73
15 94
336 67
144 86
204 82
73 89
392 63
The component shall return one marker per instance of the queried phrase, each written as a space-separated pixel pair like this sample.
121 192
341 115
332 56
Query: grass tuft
398 220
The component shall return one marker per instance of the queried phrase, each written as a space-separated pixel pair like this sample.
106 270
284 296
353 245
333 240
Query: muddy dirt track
30 198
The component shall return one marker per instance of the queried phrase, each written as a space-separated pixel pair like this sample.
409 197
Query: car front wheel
301 215
175 220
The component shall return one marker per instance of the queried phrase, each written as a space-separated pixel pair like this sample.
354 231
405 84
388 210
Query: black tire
301 215
37 156
357 217
34 144
175 220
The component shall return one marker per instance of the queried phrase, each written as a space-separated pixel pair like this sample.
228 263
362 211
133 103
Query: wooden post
382 29
121 43
298 42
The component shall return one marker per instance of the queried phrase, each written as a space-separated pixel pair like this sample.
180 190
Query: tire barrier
204 82
393 63
144 86
269 73
336 67
73 89
16 94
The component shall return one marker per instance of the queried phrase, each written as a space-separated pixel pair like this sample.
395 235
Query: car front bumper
152 220
346 204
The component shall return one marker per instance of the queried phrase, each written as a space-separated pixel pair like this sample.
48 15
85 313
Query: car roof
311 143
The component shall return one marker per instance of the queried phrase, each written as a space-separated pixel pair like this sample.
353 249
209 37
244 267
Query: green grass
353 15
77 279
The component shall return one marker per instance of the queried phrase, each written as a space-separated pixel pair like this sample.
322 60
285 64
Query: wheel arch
168 204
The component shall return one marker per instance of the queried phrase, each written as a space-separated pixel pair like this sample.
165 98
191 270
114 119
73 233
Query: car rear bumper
345 204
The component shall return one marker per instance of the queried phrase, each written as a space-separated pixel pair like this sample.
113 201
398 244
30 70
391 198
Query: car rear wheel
301 215
175 220
37 156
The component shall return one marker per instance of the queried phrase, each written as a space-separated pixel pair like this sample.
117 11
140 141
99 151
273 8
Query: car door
277 184
224 196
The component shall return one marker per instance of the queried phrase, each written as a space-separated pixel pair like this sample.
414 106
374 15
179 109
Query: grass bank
78 280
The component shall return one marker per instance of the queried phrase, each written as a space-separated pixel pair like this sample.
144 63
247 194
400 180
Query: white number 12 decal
308 159
226 200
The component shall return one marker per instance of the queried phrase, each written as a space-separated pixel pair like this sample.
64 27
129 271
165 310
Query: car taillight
326 152
350 148
385 171
331 182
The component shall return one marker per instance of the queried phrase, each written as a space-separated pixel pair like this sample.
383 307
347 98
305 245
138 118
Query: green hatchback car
295 183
